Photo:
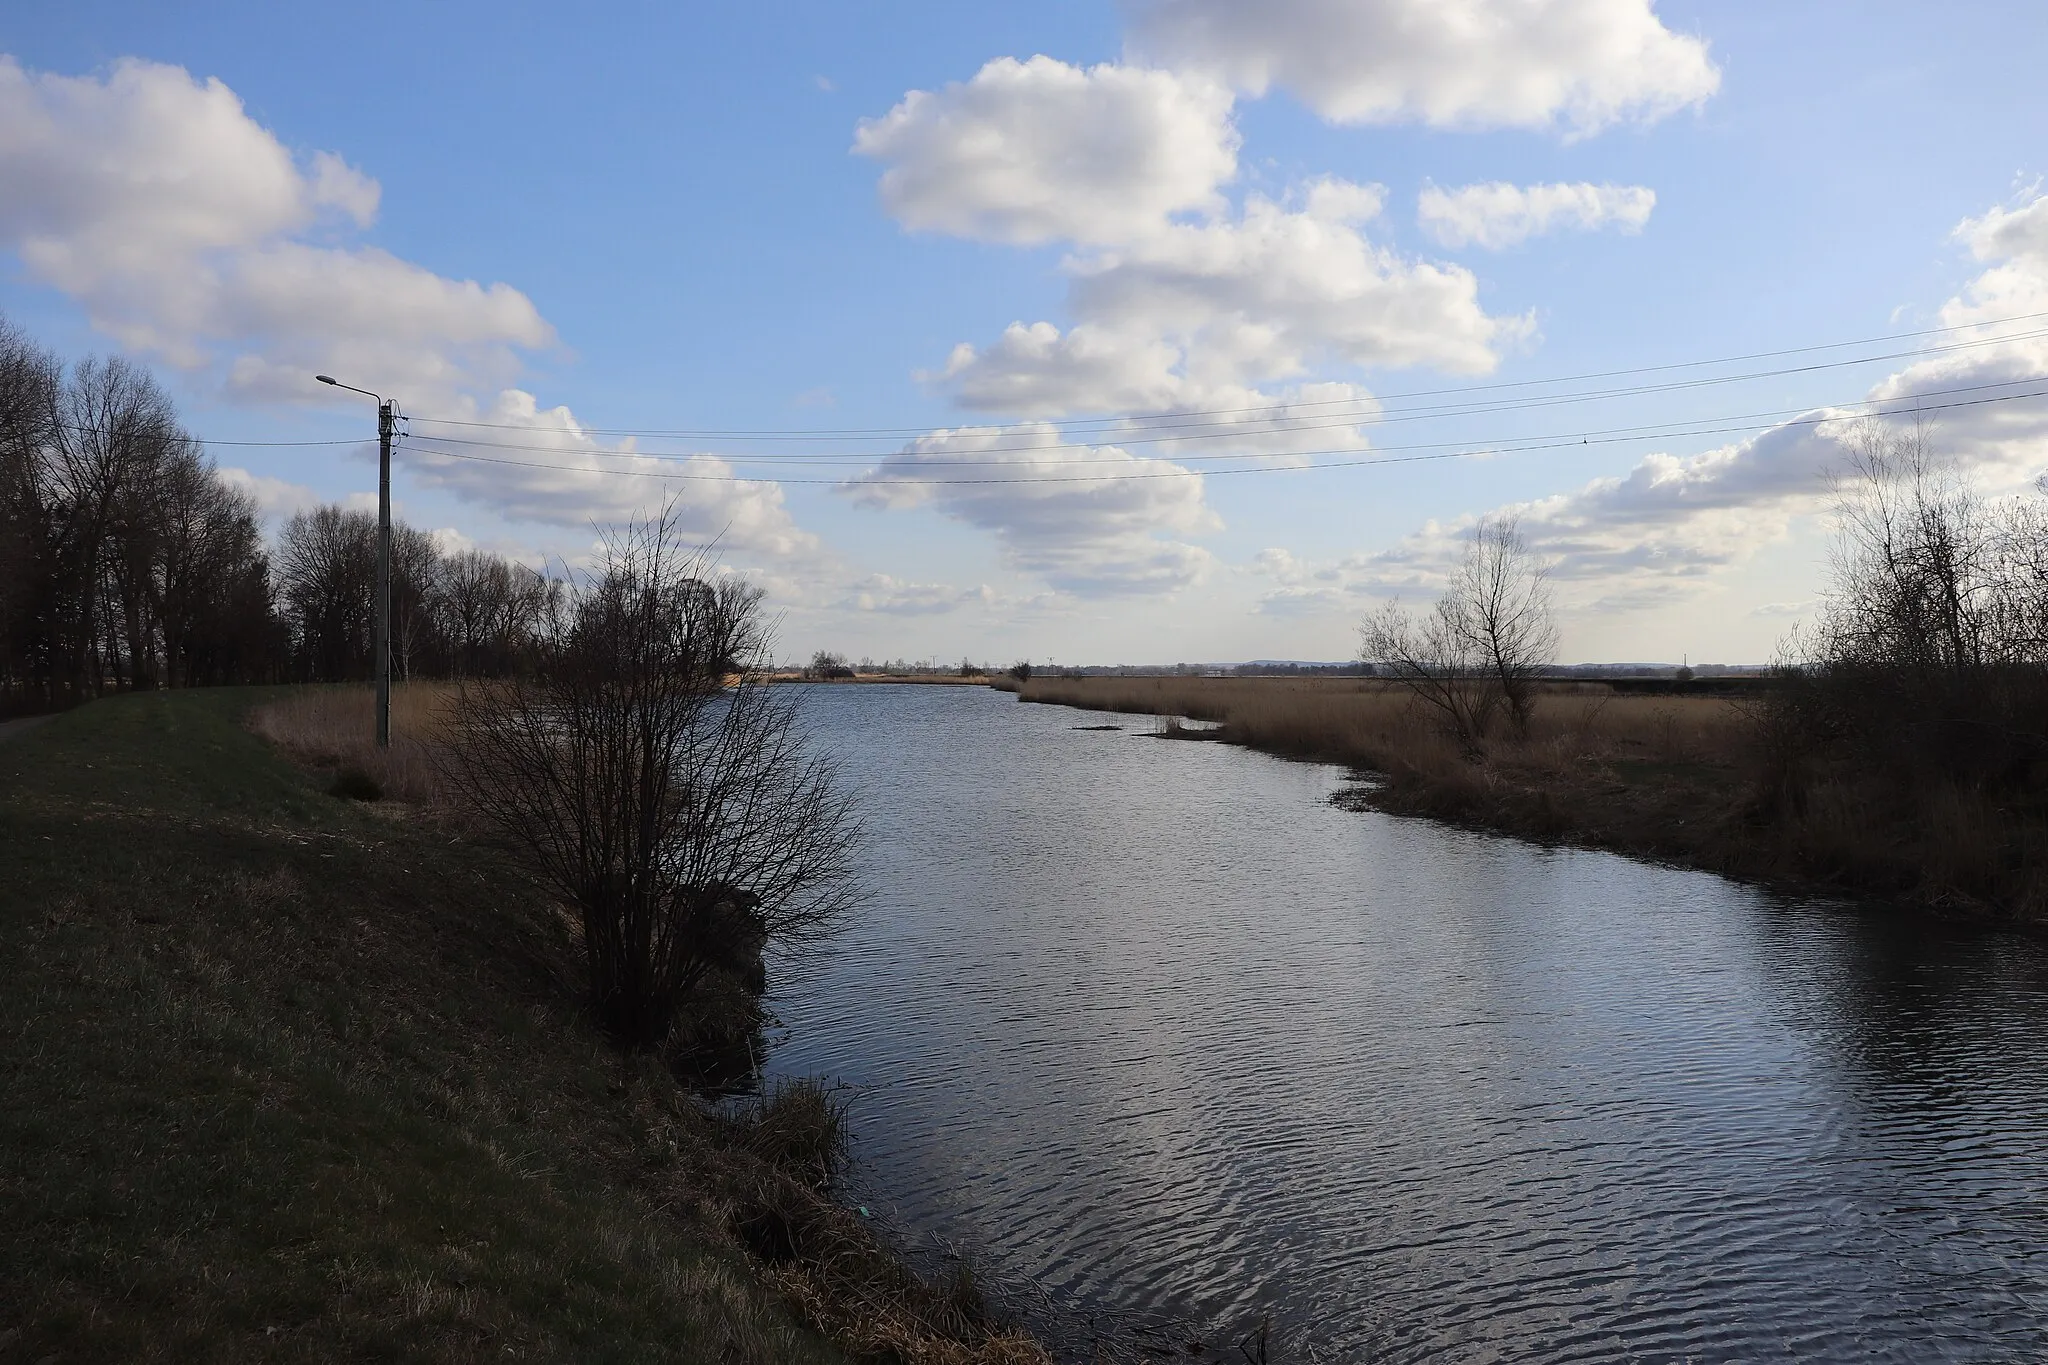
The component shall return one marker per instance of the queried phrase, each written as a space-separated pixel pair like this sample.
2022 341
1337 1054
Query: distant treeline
128 562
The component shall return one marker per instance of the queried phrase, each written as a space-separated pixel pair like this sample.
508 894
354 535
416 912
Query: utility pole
387 423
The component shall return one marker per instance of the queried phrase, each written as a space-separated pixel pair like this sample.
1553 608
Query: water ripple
1155 1027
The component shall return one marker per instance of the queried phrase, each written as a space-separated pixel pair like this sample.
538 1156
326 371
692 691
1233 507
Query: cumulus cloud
1040 151
275 499
1175 319
183 227
1498 214
541 464
2005 440
1670 524
1090 520
1579 65
191 234
1201 324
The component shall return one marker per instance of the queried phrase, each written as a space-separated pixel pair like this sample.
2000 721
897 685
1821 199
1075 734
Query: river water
1152 1025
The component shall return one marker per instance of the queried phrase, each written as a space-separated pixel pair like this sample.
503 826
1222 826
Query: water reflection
1155 1025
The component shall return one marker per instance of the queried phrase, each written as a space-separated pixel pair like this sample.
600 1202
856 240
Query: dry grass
1374 725
334 728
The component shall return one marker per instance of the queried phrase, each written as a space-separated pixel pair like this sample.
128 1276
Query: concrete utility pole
387 422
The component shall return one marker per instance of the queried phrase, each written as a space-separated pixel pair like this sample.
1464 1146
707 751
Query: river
1153 1025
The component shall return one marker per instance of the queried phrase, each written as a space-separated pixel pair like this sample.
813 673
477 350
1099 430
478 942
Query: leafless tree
1477 654
327 575
688 821
1930 652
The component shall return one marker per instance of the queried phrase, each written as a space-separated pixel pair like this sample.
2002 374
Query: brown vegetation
332 728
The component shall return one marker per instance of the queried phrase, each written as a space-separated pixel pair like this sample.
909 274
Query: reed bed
1374 725
334 727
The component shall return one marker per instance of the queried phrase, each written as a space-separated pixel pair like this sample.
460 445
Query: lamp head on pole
326 378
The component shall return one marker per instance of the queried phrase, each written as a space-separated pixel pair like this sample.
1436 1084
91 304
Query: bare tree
688 821
1930 653
1914 560
327 572
1478 652
126 561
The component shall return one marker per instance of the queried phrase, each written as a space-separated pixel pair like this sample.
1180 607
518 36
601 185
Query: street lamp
387 414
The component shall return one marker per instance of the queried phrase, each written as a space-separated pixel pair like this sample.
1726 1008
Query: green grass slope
284 1077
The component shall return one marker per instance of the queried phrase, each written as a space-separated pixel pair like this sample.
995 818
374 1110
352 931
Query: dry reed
334 727
1375 725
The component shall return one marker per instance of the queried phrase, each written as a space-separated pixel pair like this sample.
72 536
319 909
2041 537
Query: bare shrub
688 822
1478 653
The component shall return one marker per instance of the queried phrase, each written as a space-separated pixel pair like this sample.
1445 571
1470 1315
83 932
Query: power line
1159 420
976 460
1398 416
1177 472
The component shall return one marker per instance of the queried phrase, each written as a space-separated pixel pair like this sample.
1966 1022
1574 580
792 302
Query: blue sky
742 219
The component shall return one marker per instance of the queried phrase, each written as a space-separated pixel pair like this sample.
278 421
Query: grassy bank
289 1076
1671 777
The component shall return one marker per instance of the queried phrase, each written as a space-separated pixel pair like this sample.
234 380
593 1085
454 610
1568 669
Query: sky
1095 332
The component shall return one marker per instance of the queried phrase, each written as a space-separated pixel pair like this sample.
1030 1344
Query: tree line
129 562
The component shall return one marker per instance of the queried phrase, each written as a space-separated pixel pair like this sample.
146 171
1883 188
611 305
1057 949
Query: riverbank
1675 778
293 1076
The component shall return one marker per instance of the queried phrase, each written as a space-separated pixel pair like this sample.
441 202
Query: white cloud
2007 441
182 226
896 597
1498 214
189 232
1668 526
1091 520
1616 543
275 499
1040 151
540 464
1577 64
1173 319
2008 233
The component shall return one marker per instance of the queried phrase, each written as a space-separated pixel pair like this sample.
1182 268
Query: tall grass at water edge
334 727
1374 725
